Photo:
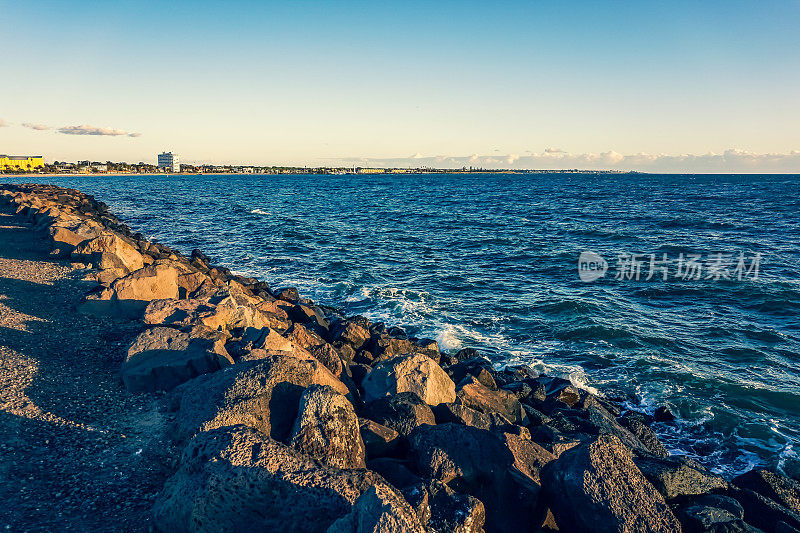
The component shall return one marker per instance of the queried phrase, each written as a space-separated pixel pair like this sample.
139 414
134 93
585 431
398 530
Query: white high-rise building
169 161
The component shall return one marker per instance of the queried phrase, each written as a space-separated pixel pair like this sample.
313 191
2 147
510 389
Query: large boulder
679 476
238 479
402 412
129 296
263 394
109 251
327 428
220 311
597 487
479 463
415 373
67 236
379 440
476 395
380 509
772 485
163 358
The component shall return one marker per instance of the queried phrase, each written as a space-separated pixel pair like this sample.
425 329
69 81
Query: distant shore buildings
21 162
169 161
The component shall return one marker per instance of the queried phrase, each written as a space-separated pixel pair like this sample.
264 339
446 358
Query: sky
656 86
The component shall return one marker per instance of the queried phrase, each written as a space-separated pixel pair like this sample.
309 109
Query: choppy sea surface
491 261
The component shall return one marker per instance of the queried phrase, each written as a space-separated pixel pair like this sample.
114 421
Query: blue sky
651 85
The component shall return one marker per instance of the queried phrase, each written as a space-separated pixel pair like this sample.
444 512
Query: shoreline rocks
295 417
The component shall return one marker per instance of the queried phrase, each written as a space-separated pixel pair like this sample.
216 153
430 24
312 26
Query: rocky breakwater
293 417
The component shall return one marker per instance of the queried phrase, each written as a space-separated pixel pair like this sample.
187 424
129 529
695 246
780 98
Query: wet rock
474 394
597 487
380 509
679 476
663 414
772 485
402 412
637 424
237 479
327 428
415 373
163 358
263 394
379 440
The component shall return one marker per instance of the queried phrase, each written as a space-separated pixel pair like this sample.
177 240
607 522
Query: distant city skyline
645 86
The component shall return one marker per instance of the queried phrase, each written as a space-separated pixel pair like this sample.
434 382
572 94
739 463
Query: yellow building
21 162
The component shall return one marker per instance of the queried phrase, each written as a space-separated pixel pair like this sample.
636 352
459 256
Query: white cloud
37 127
91 130
729 161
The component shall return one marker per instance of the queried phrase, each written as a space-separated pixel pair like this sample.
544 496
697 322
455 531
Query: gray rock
327 428
237 479
163 358
380 509
415 373
679 476
772 485
402 412
263 394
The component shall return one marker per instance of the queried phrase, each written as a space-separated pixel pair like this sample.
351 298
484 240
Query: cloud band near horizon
731 160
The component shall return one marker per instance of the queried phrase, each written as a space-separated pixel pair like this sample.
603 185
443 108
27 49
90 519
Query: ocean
698 306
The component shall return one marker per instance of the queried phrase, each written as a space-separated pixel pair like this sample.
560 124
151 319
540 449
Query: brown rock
474 394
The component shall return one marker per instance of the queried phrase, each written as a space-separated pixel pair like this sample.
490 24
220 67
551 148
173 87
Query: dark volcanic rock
237 479
663 414
764 513
402 412
379 440
597 487
327 428
479 463
713 514
461 414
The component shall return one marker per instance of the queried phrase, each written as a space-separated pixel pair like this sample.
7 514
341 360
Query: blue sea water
491 261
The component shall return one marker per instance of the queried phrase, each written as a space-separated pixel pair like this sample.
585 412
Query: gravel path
77 452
